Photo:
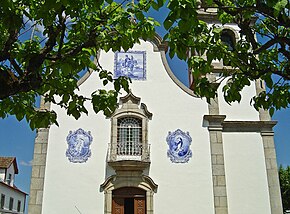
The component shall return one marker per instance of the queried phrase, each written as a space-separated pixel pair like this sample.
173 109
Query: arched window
130 131
131 190
228 39
129 136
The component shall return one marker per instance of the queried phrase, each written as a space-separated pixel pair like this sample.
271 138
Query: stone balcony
128 155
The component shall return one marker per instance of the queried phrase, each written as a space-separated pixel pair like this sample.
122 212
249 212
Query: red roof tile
5 162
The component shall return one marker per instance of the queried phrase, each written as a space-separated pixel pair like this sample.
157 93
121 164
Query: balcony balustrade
131 151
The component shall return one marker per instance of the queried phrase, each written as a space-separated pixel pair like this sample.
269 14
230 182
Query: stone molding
129 165
128 179
215 128
216 122
130 107
272 173
248 126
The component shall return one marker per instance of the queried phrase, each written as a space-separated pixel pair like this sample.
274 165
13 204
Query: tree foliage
45 44
48 63
284 177
266 59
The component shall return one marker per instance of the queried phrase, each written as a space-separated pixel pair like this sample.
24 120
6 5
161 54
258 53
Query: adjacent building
12 199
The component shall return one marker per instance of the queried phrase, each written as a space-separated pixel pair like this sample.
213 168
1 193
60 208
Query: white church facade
163 151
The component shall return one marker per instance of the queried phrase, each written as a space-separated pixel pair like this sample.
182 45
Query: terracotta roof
5 162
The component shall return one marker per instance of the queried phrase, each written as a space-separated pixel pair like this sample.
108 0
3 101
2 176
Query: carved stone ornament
179 146
79 146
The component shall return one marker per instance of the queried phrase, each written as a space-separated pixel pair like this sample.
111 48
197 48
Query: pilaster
272 172
38 172
215 128
270 157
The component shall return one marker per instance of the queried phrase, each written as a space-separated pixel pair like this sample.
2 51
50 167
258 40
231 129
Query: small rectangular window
11 203
2 201
9 179
18 206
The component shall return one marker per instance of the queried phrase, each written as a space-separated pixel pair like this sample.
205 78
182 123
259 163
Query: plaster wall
75 187
71 187
246 177
239 110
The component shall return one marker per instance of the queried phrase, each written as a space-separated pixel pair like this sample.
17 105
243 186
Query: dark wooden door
139 206
118 206
129 200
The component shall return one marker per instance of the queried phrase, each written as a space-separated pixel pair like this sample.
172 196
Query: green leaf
155 5
280 5
161 3
167 23
271 111
93 66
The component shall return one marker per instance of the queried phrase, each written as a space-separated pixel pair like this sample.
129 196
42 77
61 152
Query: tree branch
63 27
16 67
269 12
246 29
270 43
13 36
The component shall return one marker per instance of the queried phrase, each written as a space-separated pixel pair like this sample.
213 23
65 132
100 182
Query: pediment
130 98
132 104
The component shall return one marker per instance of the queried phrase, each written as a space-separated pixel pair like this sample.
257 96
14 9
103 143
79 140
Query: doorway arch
141 185
129 200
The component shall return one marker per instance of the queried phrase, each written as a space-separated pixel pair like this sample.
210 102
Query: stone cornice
214 122
248 126
211 15
129 165
218 123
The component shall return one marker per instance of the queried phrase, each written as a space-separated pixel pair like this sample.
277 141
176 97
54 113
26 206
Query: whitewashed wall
246 178
182 188
239 110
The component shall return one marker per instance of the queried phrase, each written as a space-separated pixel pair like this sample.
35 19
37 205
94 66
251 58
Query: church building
163 151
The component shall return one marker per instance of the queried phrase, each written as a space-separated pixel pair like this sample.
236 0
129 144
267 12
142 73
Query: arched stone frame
232 31
130 108
231 35
219 66
118 181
